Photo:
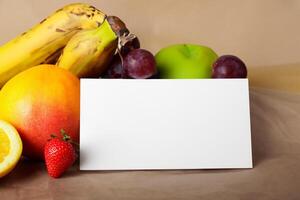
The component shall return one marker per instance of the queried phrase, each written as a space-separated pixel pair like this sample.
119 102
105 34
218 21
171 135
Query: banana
89 52
45 41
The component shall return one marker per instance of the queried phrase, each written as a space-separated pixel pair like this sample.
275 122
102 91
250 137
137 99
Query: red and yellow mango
39 102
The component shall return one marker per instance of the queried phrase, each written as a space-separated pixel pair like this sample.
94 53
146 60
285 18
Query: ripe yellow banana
44 42
89 52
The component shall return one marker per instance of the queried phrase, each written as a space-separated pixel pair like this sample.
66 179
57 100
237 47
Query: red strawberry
59 156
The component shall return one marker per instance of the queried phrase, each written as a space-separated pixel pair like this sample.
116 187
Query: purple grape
139 64
115 69
229 66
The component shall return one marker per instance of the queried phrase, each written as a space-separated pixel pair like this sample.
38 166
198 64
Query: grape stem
122 40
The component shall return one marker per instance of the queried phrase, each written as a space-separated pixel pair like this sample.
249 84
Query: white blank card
164 124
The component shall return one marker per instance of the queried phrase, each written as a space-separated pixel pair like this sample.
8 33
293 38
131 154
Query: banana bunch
78 36
89 52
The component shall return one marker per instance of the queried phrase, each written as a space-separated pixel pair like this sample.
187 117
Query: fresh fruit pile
40 71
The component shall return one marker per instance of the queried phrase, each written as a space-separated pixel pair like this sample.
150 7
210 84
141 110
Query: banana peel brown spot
98 24
93 9
59 30
77 45
93 51
78 13
75 29
59 10
43 21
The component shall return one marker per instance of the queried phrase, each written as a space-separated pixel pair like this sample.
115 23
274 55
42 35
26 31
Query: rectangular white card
164 124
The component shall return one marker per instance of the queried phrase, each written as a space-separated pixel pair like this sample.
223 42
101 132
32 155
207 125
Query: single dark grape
139 64
229 66
115 69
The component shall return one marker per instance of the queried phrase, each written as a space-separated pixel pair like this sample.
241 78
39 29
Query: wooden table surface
275 118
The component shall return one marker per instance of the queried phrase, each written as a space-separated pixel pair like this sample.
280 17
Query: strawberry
59 155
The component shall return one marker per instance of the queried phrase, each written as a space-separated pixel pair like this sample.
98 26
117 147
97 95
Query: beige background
264 33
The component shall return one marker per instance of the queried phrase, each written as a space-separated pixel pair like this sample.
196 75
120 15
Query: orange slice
10 148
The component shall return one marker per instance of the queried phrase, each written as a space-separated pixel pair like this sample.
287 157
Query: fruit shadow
262 131
257 157
24 171
284 78
72 172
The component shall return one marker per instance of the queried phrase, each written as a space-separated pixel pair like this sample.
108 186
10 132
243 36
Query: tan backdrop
263 33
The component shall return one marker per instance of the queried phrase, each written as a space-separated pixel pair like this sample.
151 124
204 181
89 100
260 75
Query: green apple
185 61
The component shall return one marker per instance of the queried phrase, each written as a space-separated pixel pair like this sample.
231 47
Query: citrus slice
10 148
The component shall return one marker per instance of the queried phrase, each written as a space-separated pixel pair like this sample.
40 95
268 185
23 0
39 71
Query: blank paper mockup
164 124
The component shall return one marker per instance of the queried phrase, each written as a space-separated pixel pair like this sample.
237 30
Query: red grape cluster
134 63
130 61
